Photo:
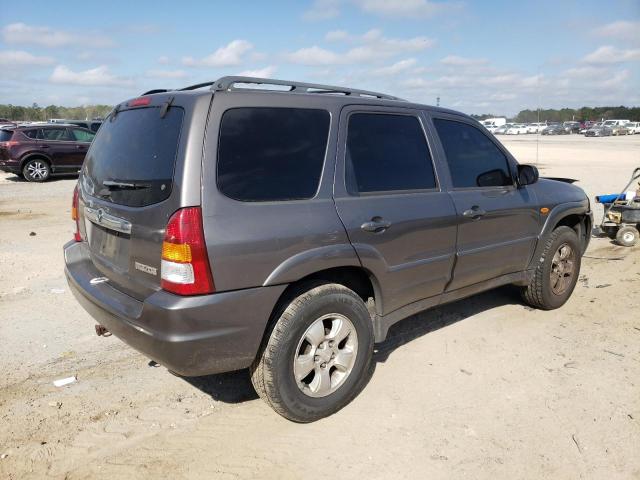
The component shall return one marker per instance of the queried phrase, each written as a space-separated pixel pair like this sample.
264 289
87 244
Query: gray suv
284 227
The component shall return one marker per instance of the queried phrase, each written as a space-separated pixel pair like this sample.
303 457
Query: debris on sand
65 381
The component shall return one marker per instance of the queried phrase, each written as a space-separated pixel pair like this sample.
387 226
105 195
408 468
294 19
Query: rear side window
82 135
474 160
60 134
95 127
34 133
387 153
268 154
5 135
135 154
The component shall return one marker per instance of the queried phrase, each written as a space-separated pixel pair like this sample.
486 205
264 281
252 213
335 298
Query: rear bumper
189 335
10 166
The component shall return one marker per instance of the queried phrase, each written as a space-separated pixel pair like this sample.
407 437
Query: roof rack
228 83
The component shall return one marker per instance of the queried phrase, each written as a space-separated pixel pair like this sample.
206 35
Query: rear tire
36 170
627 236
300 371
557 271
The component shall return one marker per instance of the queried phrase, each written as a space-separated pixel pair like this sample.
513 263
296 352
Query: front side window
473 159
56 134
269 154
83 135
387 153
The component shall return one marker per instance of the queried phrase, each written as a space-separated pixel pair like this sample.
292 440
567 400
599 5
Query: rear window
5 135
268 154
134 153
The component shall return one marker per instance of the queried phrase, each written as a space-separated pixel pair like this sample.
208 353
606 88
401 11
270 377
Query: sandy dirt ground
483 388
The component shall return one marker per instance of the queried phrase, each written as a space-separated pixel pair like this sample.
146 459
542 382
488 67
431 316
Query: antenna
438 101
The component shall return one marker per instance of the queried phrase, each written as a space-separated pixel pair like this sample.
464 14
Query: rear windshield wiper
117 185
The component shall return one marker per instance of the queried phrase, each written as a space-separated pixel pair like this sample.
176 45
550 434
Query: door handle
474 213
376 225
80 147
44 146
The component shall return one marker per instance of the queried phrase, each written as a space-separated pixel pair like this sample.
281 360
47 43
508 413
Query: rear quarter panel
268 243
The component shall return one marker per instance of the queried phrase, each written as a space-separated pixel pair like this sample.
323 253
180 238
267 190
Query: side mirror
527 175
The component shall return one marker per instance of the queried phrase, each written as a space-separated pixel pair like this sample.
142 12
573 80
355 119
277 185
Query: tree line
37 113
568 114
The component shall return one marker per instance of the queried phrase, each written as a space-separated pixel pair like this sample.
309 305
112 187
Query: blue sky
477 56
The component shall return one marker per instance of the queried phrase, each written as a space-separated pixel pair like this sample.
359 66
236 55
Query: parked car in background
556 129
633 127
492 128
572 127
502 129
584 126
598 130
536 127
620 129
181 251
516 129
92 125
37 151
495 122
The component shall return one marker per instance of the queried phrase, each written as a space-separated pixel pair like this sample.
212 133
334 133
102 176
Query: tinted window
271 153
95 127
82 135
5 135
474 160
56 134
35 133
137 147
387 153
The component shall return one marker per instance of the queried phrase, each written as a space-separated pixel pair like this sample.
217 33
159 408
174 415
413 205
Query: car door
387 194
497 221
60 147
83 138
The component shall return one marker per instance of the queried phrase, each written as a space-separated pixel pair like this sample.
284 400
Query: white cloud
19 58
462 61
21 33
163 60
167 74
405 8
314 56
229 55
322 10
621 29
99 76
396 68
372 46
336 35
616 80
265 72
609 54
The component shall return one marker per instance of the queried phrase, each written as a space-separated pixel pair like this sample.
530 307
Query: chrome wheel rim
37 170
325 355
562 269
628 237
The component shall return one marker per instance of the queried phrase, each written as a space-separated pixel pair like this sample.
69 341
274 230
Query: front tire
316 357
557 271
36 170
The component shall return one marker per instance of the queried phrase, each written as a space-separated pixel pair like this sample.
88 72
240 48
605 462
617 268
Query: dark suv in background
38 151
285 231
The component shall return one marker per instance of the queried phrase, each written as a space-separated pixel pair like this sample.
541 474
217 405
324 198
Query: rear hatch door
130 186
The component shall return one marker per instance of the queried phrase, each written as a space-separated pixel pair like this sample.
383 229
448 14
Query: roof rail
228 84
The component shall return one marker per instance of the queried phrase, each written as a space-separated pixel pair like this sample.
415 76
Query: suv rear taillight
74 215
185 266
